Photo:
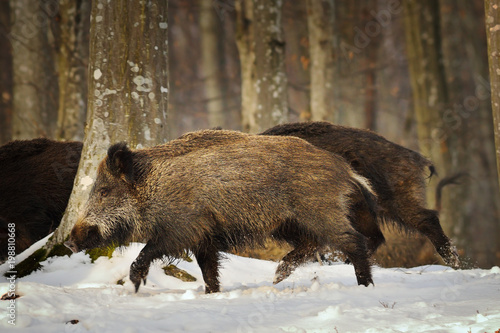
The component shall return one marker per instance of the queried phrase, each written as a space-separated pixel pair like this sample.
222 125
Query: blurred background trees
415 72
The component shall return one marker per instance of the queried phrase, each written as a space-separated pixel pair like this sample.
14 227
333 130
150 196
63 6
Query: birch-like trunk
128 89
261 46
270 78
320 26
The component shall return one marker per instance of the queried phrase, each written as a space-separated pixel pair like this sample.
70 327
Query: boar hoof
282 272
137 283
453 259
137 275
278 278
365 281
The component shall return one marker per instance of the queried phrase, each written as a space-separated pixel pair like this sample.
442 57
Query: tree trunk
320 26
430 95
261 47
211 64
356 36
35 80
72 66
297 60
271 81
493 35
245 40
128 81
5 74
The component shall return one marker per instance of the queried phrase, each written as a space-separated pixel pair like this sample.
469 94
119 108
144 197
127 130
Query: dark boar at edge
211 191
36 182
396 173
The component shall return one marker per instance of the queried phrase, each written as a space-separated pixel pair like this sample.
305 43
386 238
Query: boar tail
368 193
453 179
433 171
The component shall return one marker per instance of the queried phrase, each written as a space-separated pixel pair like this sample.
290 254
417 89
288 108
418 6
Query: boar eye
103 192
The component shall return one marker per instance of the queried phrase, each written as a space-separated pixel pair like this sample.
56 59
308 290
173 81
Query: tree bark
35 80
128 85
297 60
261 47
245 40
320 26
72 66
271 80
211 64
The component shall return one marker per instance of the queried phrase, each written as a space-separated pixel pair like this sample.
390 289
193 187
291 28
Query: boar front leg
353 245
207 256
140 267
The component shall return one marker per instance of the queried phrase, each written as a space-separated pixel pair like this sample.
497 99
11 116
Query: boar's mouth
83 238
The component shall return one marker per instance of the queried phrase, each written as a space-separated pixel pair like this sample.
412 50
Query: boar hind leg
140 267
302 253
207 256
428 225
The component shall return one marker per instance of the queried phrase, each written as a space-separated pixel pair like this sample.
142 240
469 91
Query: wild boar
395 172
212 191
36 182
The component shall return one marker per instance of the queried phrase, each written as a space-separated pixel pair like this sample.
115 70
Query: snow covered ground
313 299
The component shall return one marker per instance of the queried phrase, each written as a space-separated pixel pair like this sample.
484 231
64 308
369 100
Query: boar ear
120 161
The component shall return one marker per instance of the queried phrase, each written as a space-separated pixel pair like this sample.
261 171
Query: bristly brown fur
214 190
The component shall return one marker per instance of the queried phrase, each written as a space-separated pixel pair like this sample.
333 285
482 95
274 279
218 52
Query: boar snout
83 237
71 245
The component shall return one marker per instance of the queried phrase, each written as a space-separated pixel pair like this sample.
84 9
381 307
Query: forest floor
71 294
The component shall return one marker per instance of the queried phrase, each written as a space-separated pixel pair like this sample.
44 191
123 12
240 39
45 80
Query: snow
313 299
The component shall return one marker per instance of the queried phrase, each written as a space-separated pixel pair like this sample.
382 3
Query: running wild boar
211 191
396 174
